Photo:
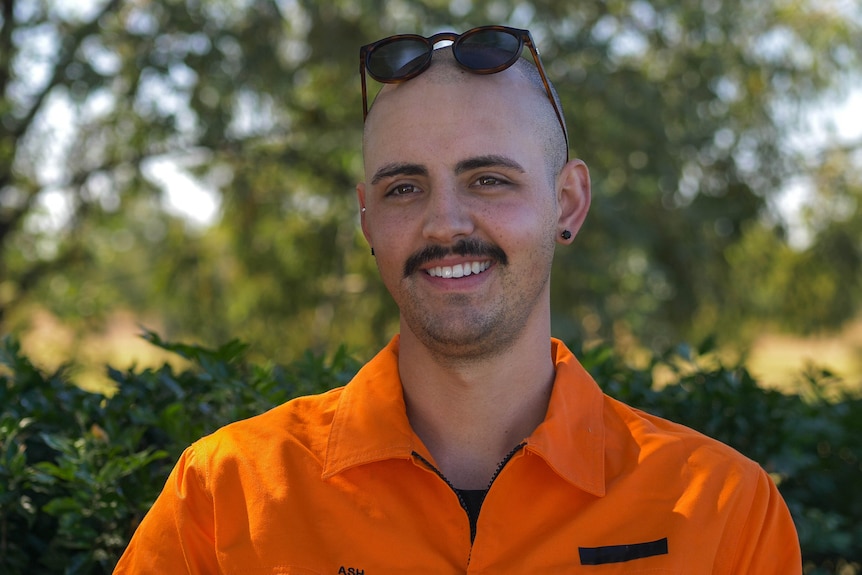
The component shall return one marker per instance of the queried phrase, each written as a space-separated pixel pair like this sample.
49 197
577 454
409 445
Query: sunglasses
482 50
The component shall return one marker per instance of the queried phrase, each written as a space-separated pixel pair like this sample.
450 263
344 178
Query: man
474 442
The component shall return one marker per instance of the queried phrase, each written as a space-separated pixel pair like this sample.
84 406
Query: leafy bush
78 470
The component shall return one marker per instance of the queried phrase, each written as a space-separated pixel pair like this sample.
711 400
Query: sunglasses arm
364 93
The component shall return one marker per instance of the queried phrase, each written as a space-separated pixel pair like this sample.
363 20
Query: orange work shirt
339 483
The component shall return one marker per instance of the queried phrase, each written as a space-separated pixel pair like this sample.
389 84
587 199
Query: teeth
458 270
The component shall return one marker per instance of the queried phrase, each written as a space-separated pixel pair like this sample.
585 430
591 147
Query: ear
573 197
360 195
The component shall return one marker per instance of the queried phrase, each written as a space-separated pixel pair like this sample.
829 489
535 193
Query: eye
402 190
490 181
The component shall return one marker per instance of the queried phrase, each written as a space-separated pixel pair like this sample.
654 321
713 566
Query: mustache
465 247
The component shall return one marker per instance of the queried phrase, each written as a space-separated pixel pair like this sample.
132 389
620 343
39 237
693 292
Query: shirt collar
571 439
370 423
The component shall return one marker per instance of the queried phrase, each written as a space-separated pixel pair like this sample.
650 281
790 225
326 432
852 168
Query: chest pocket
613 554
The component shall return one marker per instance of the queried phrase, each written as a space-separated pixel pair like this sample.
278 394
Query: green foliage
78 470
673 105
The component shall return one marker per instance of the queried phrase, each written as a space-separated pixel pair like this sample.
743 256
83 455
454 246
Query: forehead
452 111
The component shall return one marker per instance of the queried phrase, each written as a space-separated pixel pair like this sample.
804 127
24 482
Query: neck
471 414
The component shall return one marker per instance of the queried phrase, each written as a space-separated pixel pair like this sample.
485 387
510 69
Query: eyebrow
489 161
477 163
398 169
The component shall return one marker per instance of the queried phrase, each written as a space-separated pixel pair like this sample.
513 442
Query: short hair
557 146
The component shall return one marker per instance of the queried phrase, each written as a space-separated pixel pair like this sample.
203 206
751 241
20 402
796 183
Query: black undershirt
473 499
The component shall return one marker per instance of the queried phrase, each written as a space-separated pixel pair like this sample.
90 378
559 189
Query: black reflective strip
622 553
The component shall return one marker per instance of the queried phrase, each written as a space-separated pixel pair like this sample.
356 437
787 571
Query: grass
776 360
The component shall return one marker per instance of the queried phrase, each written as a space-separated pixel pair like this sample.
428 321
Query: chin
463 344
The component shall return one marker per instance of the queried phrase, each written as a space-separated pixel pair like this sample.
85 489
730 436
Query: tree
670 103
675 105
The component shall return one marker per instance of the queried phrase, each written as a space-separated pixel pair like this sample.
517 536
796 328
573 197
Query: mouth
458 270
480 256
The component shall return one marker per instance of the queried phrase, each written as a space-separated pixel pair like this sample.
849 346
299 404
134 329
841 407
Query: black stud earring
566 235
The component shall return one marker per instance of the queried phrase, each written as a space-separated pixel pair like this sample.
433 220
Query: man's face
461 209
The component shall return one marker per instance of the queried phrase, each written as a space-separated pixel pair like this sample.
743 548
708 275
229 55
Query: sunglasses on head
482 50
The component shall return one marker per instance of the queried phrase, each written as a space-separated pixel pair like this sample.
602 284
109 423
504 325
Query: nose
447 216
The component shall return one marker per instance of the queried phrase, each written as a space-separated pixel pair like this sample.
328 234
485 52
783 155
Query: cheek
390 253
380 231
389 267
525 224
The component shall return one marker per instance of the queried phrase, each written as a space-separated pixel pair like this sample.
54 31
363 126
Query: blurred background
189 166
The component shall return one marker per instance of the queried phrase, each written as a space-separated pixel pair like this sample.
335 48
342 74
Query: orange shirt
336 483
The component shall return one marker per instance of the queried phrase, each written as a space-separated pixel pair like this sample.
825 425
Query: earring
566 235
363 209
372 251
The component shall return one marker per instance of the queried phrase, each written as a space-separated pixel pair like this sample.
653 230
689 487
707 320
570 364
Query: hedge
78 470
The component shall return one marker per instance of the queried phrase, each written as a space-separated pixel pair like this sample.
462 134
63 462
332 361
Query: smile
458 270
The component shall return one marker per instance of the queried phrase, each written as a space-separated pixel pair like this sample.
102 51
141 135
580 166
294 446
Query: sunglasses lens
488 49
398 59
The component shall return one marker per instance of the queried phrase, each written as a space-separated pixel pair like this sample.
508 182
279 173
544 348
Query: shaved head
444 69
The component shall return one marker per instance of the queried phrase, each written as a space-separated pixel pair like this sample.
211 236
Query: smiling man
458 176
474 442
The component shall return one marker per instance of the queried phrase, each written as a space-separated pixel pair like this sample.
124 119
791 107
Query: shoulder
727 501
299 425
294 438
632 428
676 459
634 439
296 417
